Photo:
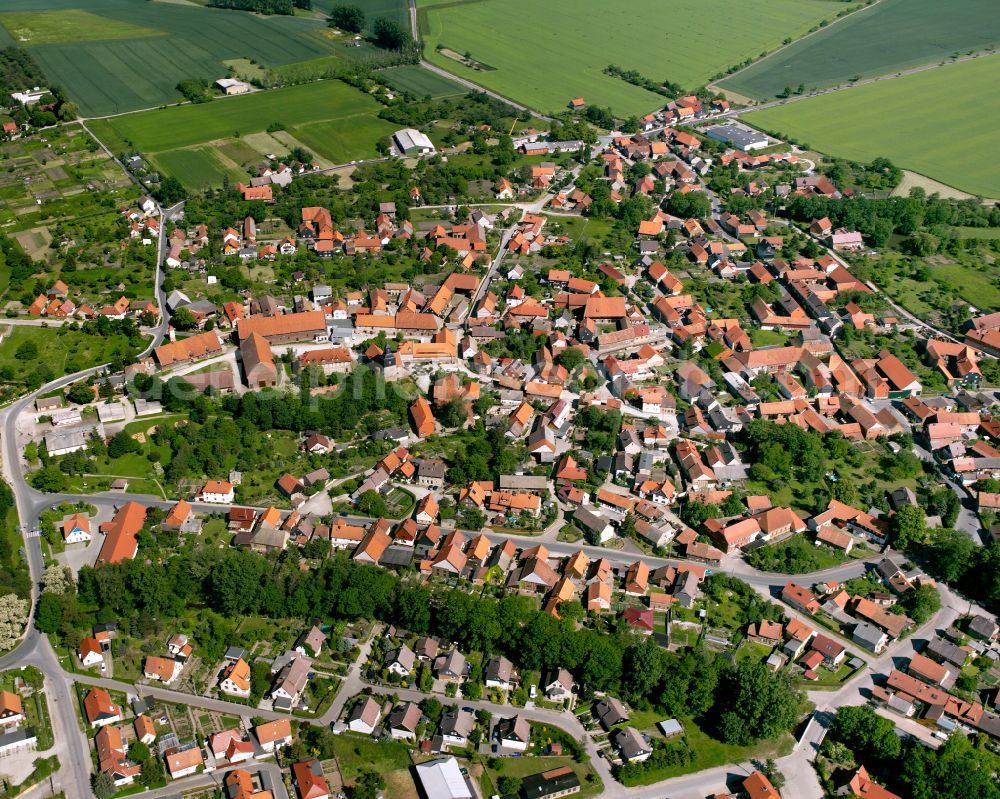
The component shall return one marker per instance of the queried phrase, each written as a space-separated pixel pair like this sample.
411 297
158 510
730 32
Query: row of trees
742 705
285 7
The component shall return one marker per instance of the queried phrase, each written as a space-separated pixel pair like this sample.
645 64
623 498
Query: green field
62 351
199 144
130 68
891 118
890 36
420 82
545 54
71 25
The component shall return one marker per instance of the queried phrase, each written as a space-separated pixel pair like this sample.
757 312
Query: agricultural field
199 144
46 27
888 37
885 119
420 82
108 66
545 54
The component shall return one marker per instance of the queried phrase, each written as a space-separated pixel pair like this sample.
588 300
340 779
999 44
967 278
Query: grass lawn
109 61
64 351
832 679
882 119
545 54
70 25
768 338
522 767
197 168
336 121
356 754
796 555
891 36
710 753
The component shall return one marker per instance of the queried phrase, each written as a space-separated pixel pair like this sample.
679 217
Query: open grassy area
522 767
199 144
71 25
889 118
420 81
890 36
356 754
64 351
709 753
545 54
795 555
121 56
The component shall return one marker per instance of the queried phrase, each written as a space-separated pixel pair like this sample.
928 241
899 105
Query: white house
90 652
513 733
218 491
236 679
364 717
76 529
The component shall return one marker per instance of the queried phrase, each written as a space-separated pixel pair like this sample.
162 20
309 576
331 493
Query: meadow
199 144
892 118
108 66
420 82
888 37
545 54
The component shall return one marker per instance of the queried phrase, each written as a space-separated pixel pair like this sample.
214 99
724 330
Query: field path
460 80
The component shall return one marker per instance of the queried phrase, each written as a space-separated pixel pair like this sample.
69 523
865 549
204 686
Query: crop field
890 118
420 82
888 37
199 144
45 27
108 66
545 54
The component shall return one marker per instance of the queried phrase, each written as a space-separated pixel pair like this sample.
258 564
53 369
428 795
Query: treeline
18 72
365 404
879 219
14 577
17 262
975 571
666 88
741 705
286 7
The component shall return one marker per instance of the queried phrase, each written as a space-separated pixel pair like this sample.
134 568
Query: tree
953 553
183 319
692 204
760 704
103 785
81 394
453 414
13 617
389 34
866 732
348 18
908 527
509 785
122 443
571 358
371 503
27 350
170 191
138 751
